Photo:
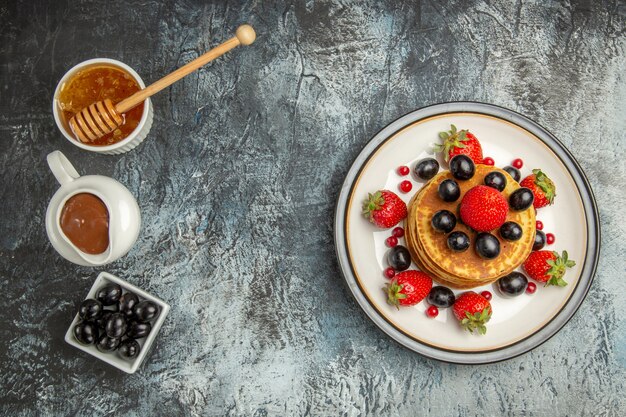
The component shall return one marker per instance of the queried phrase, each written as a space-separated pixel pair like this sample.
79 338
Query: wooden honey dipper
103 117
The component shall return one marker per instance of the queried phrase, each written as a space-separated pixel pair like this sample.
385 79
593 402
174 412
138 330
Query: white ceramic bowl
135 138
113 358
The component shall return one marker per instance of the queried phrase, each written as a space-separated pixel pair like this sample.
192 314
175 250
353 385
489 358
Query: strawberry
384 208
408 288
547 266
542 187
459 142
473 311
483 208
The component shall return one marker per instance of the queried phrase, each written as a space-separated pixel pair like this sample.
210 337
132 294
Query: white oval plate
517 324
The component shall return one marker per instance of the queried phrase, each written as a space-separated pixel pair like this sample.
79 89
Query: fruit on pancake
459 142
495 180
483 208
547 266
540 240
513 284
487 246
449 191
488 161
408 288
427 168
473 311
441 297
399 258
458 241
513 172
521 199
511 231
462 167
384 208
443 221
542 187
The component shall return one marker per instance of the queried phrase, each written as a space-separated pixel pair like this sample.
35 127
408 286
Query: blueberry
521 199
427 168
137 330
107 344
441 297
90 309
540 240
514 172
511 231
399 258
462 167
513 284
495 180
129 349
127 303
86 332
109 294
449 190
487 245
443 221
115 326
146 310
458 241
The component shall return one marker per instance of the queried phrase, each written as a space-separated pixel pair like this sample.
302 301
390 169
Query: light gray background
237 184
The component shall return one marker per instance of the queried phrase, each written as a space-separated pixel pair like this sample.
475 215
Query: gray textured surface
237 184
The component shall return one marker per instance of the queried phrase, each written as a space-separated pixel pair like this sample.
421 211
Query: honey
98 83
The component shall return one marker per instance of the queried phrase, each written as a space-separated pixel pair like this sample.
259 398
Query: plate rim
584 190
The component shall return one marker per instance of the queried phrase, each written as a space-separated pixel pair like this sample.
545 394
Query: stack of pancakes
429 248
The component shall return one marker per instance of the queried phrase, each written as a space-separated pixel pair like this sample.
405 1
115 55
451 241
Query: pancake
467 269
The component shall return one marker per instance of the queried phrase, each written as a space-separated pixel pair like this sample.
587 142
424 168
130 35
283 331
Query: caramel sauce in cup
85 221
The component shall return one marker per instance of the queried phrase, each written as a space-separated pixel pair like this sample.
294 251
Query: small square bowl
113 358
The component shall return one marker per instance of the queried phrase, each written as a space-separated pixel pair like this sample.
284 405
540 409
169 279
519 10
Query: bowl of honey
95 80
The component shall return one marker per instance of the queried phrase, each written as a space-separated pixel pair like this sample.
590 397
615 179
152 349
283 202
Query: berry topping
511 231
513 284
473 311
390 272
90 309
540 240
427 168
384 209
458 241
513 172
403 170
521 199
460 142
487 295
539 225
517 163
397 232
86 333
487 246
495 180
399 258
408 288
531 288
462 167
547 266
406 186
483 208
432 312
392 241
443 221
488 161
449 190
542 187
441 297
550 239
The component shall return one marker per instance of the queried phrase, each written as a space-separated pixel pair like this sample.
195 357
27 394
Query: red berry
406 186
483 208
397 232
488 161
539 225
531 288
518 163
486 294
550 238
390 272
432 312
384 208
392 241
403 170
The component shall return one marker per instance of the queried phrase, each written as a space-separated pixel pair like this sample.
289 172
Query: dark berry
399 258
443 221
441 297
513 172
513 284
397 232
137 330
391 241
495 180
521 199
458 241
406 186
488 161
540 240
449 190
90 309
107 344
390 272
116 326
109 294
427 168
129 349
403 170
511 231
487 245
487 295
102 320
86 332
462 167
127 303
550 239
432 312
517 163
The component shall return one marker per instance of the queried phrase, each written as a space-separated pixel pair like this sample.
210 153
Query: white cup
128 143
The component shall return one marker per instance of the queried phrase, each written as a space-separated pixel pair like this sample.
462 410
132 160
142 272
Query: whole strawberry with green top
542 187
459 142
408 288
384 208
473 311
547 266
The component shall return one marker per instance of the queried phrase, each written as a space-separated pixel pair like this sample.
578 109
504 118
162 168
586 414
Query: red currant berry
531 288
403 170
390 272
488 161
486 294
550 238
406 186
397 232
432 312
392 241
518 163
539 225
